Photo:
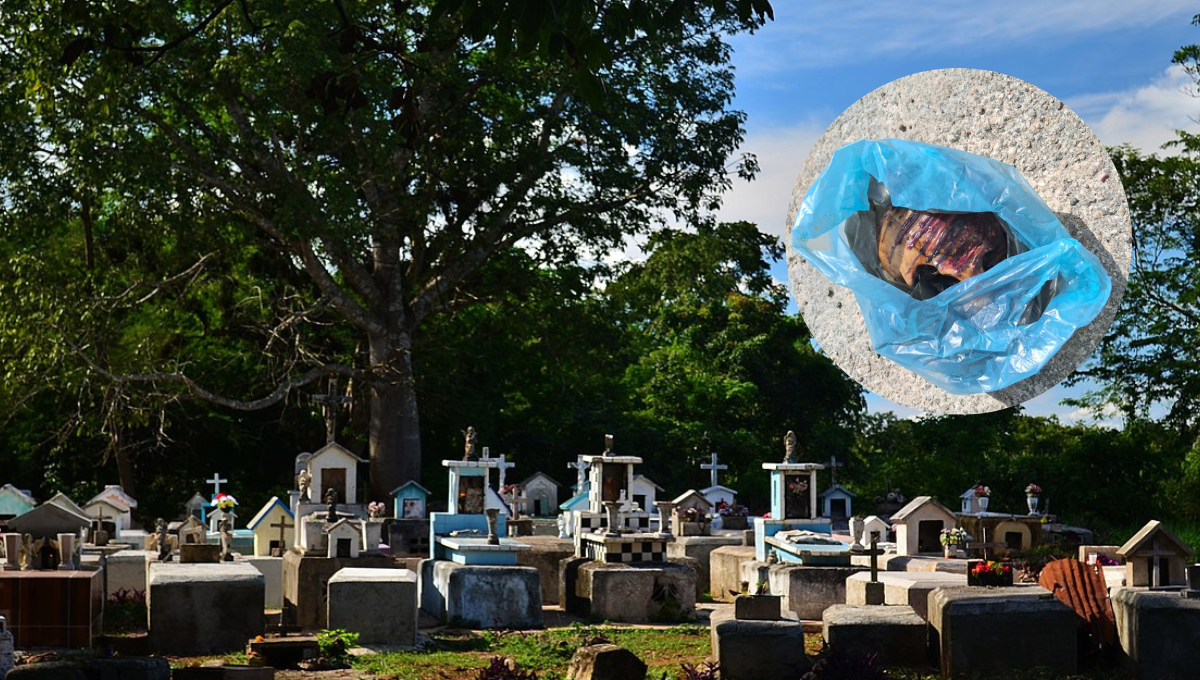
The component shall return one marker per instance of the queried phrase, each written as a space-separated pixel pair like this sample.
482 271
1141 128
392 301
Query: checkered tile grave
624 549
592 522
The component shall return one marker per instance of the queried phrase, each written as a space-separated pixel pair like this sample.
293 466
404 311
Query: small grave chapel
1155 557
333 466
919 525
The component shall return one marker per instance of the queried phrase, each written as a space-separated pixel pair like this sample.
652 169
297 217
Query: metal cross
713 468
833 466
874 552
330 403
216 481
282 525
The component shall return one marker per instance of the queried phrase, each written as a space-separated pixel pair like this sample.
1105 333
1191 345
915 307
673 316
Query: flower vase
983 501
1032 501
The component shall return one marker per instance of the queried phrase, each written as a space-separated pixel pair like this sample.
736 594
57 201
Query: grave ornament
164 546
331 499
470 444
304 484
790 453
226 540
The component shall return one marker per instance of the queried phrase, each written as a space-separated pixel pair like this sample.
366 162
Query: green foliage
334 645
500 668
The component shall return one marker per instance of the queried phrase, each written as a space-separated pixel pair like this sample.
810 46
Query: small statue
469 446
331 499
27 551
304 483
164 545
790 455
226 529
608 445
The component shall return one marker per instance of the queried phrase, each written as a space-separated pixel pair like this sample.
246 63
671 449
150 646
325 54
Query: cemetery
442 340
913 586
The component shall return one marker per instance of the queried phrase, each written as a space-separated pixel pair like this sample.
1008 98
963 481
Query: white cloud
831 32
1145 117
781 153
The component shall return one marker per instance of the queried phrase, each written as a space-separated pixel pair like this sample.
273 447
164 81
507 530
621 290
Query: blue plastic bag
976 335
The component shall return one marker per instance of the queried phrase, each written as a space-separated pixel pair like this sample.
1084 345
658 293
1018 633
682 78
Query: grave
271 569
1159 631
1155 557
794 509
408 532
806 590
690 514
198 609
919 524
52 608
113 504
274 529
1004 533
126 570
541 493
15 502
725 570
875 528
700 549
544 554
903 588
472 574
333 466
617 553
327 542
895 634
993 630
757 650
378 604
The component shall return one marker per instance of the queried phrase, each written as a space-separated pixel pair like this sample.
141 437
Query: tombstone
541 493
15 502
195 507
113 503
274 528
192 532
410 501
1155 557
875 529
919 526
837 502
691 514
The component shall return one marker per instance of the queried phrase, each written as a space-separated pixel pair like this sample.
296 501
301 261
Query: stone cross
330 403
283 526
503 467
216 481
833 465
580 469
874 552
713 468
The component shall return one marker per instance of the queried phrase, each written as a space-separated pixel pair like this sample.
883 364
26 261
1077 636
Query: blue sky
1109 61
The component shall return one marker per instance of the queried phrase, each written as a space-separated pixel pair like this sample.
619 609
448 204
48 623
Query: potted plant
981 496
952 540
988 573
1032 491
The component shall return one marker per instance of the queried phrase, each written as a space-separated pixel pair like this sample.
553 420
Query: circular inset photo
960 241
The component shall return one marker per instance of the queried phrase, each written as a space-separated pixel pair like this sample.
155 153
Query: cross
874 552
282 525
331 402
1155 552
833 465
216 481
580 468
503 467
713 468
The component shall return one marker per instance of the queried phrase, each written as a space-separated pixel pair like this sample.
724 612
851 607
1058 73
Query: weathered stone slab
903 588
757 650
1000 117
197 609
757 607
700 548
306 581
605 662
1159 633
487 596
127 570
544 555
725 570
994 630
807 590
648 591
378 604
896 634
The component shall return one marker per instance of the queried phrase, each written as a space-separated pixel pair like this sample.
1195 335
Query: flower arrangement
375 509
982 491
693 515
735 510
1033 490
989 567
989 573
225 502
955 536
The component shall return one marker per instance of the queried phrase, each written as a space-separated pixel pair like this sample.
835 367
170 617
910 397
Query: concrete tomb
896 634
378 604
196 609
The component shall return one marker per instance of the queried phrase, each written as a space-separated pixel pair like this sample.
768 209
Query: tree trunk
395 428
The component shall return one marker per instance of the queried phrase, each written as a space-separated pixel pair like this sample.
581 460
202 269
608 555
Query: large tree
372 156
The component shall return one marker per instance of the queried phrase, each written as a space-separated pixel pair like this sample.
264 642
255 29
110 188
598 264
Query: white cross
216 481
580 468
503 467
713 468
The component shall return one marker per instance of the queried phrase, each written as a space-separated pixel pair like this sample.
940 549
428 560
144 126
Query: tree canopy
334 175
